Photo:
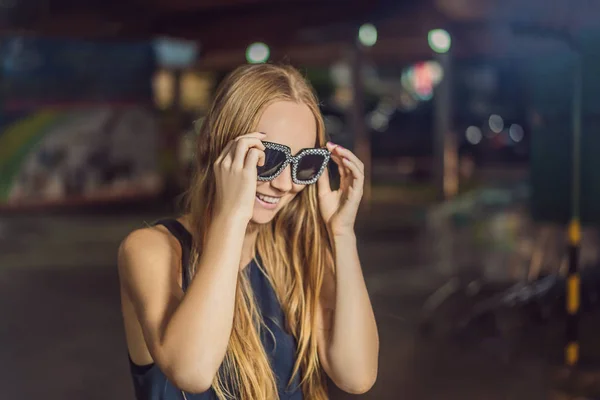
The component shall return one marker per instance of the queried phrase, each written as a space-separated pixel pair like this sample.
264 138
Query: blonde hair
294 247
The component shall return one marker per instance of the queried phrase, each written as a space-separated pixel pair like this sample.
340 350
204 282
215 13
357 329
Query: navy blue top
150 383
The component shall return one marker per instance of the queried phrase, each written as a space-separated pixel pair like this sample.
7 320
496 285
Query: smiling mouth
268 199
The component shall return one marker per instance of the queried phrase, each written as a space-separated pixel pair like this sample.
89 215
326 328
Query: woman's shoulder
150 238
148 246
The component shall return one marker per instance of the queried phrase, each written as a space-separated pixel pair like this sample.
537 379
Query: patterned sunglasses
307 166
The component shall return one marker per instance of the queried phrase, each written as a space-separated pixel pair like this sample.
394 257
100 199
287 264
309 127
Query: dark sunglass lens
309 166
274 159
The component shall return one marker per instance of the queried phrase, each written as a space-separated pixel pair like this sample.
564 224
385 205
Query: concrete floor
63 337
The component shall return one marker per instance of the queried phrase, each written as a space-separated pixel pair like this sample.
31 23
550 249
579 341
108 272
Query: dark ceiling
311 28
215 23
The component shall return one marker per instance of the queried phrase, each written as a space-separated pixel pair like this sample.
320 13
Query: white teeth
268 199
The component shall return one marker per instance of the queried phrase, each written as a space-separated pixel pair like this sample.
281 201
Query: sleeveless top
150 383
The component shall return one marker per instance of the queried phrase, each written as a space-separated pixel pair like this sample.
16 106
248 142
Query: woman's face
293 125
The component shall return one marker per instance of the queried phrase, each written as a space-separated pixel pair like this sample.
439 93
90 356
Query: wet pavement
63 337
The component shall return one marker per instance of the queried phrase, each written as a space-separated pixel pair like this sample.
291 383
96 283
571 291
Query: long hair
294 247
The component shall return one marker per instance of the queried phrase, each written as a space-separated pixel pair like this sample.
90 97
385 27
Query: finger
231 144
242 147
341 167
253 141
345 153
224 153
226 158
354 169
253 158
255 135
323 184
337 158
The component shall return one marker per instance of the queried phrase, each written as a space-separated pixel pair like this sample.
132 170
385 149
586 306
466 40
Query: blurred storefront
182 99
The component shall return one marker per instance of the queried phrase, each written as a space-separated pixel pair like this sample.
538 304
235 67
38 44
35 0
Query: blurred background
475 120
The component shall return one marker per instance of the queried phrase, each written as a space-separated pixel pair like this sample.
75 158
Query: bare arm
348 340
187 338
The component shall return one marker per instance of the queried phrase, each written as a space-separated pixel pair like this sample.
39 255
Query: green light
439 40
367 35
257 53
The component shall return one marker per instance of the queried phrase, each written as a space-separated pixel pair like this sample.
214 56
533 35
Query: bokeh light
342 97
163 85
435 71
408 78
367 35
378 121
439 40
340 74
516 132
421 78
473 135
496 123
196 90
257 53
175 53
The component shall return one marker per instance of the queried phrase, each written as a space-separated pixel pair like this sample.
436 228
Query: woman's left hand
339 207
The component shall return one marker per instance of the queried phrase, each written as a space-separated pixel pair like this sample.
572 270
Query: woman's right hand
236 176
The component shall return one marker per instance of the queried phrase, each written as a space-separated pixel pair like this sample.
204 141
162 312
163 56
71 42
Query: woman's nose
283 182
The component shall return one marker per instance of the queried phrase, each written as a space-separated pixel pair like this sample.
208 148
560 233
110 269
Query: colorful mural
77 121
55 154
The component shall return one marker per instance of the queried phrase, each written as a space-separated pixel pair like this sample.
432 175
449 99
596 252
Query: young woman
256 292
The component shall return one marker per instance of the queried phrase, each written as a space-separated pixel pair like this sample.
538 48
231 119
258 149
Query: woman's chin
262 216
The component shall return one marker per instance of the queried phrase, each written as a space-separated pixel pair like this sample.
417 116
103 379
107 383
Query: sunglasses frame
295 160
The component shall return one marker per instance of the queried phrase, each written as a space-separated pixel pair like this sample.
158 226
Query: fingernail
330 144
